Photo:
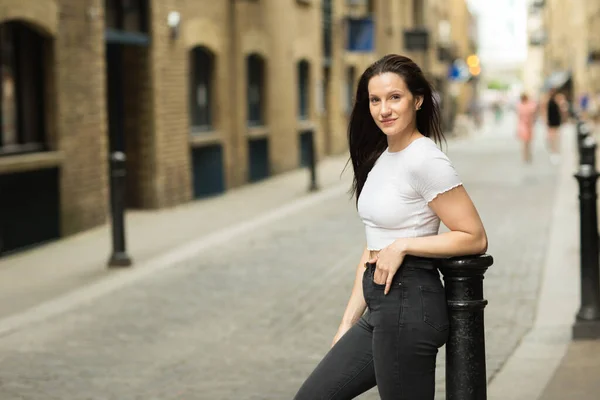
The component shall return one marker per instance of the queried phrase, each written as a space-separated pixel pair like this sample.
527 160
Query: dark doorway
207 164
258 151
29 209
306 147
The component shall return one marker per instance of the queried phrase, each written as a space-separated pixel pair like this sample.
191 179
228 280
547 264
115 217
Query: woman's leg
527 151
553 139
347 369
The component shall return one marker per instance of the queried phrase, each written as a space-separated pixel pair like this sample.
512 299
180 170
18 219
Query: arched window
303 89
256 91
22 89
201 90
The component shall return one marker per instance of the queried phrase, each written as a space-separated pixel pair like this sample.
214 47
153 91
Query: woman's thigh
406 340
347 369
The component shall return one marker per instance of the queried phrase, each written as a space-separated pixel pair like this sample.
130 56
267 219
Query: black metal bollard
587 321
583 131
466 377
579 123
587 152
119 257
312 162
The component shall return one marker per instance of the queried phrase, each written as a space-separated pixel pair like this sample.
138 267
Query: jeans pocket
365 286
435 309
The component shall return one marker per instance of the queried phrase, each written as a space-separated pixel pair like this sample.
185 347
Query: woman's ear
418 102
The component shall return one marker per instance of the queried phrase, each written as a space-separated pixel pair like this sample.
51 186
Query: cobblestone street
250 319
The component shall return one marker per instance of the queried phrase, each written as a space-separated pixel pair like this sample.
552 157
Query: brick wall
81 114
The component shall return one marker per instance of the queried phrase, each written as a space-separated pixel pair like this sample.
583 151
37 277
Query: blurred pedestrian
526 113
404 186
553 122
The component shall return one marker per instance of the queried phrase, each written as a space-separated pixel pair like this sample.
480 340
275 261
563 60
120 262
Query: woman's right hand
344 327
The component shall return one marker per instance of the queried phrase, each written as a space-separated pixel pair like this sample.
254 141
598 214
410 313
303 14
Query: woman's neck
401 141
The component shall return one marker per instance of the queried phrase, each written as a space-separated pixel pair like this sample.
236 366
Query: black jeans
394 345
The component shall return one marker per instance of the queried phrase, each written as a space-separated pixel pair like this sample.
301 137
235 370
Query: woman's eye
395 97
373 101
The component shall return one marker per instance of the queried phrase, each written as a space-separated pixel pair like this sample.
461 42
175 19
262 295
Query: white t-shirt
394 202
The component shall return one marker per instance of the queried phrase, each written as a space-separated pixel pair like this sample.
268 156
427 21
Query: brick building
564 47
201 96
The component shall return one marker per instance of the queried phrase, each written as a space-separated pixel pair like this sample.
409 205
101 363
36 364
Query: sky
502 28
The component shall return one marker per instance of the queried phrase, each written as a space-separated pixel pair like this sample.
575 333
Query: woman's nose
385 110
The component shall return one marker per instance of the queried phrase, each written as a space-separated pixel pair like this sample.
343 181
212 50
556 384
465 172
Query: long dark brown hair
366 142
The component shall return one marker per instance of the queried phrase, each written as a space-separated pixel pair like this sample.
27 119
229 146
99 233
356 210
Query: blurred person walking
404 187
526 114
553 122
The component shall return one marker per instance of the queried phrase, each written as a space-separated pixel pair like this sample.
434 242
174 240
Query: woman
526 114
404 186
553 120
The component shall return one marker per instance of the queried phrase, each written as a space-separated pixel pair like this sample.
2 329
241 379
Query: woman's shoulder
423 151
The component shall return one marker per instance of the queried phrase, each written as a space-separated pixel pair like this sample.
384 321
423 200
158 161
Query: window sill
204 138
258 132
30 162
305 125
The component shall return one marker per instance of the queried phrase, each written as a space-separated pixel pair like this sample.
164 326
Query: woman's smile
388 121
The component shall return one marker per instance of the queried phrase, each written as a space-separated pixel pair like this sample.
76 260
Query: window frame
28 80
201 117
255 63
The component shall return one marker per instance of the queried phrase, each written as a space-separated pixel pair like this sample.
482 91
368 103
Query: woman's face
392 105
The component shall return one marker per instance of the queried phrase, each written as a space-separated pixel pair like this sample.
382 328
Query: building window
303 89
350 79
127 15
22 93
256 92
327 13
201 93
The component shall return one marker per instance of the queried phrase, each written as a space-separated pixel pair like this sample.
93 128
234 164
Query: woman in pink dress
526 111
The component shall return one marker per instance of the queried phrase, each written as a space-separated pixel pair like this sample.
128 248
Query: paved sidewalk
35 276
578 376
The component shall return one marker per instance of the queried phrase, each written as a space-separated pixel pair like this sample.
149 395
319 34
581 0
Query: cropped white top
394 201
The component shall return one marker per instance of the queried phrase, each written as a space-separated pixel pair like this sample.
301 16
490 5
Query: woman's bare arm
356 304
467 234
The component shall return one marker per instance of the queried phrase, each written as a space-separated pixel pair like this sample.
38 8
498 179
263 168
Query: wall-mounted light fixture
173 21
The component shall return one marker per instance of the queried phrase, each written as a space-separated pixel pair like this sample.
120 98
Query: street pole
587 321
587 153
312 162
466 377
583 131
119 257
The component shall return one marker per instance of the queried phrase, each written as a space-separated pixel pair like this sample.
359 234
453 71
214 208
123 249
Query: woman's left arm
467 235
